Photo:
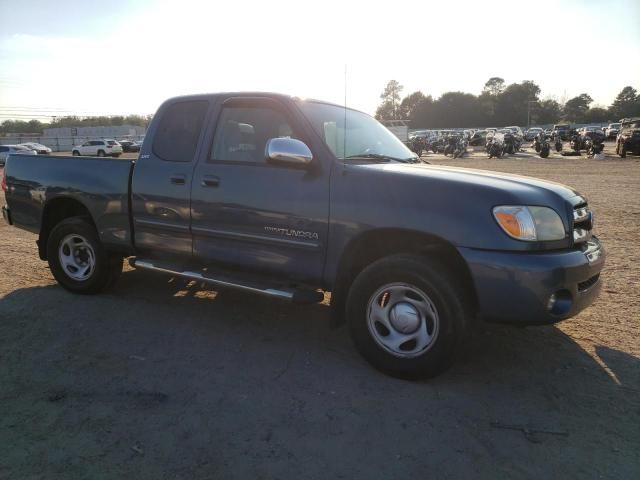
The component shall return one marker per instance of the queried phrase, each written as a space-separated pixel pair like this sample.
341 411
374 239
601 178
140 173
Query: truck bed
100 185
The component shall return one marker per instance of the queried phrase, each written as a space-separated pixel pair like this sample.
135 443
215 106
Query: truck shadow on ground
276 380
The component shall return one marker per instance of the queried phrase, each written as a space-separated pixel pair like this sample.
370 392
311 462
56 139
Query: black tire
75 153
428 277
107 266
101 153
544 152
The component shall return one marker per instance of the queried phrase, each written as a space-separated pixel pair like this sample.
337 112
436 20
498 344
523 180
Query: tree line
500 105
37 127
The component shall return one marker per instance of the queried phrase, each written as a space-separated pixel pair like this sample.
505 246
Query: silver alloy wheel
402 319
77 258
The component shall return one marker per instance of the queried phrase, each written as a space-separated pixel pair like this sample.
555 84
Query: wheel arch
56 210
373 245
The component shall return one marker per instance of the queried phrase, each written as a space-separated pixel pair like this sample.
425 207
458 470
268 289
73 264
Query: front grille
582 286
582 224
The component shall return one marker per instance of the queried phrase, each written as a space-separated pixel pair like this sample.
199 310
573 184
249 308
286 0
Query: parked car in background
100 148
532 132
590 129
38 147
629 137
612 130
6 150
478 138
517 131
129 146
418 133
564 130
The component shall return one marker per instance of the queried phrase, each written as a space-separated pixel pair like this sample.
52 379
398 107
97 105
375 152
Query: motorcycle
418 146
494 147
509 144
536 143
543 145
594 143
557 142
461 147
576 143
450 147
517 143
438 145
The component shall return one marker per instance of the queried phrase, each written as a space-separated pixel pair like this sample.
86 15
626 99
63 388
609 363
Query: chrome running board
295 295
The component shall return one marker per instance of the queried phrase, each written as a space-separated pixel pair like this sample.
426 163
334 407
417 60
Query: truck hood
508 182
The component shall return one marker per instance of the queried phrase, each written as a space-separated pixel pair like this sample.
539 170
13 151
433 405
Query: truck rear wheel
406 317
77 258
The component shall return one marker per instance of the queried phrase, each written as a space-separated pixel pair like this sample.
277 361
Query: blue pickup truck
288 198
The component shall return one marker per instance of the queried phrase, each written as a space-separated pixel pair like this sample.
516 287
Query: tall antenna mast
344 135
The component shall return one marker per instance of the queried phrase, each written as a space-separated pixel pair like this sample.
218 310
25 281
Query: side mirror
288 150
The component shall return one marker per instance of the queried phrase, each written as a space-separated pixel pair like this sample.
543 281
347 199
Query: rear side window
4 149
112 142
176 137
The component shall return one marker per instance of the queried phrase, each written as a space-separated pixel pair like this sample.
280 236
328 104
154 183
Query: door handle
178 179
210 181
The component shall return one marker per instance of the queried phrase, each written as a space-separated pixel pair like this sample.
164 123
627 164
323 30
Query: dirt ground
161 379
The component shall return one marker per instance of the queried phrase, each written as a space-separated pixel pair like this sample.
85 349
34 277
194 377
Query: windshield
365 136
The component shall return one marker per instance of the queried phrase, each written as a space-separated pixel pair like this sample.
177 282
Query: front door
162 179
252 214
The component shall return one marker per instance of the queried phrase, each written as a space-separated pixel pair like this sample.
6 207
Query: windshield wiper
379 156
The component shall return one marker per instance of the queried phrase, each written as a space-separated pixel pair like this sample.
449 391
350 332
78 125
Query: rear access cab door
162 178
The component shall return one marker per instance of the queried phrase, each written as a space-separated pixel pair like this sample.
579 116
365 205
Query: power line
16 110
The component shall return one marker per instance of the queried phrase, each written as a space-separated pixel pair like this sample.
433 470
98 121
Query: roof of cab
210 96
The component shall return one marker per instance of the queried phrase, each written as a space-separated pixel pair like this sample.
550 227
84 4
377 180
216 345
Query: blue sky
127 57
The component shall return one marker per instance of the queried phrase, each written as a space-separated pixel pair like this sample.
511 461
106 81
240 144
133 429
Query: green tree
101 121
546 112
388 110
576 108
409 104
597 115
626 104
456 109
385 111
423 113
20 126
513 104
494 86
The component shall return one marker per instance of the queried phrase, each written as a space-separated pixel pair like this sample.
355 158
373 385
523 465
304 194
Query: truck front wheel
406 317
77 258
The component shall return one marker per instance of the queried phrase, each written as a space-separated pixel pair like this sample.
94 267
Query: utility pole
529 111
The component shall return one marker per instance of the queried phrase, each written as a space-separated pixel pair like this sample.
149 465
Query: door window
243 132
176 137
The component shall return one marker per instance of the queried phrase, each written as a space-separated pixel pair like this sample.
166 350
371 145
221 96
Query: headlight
530 223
